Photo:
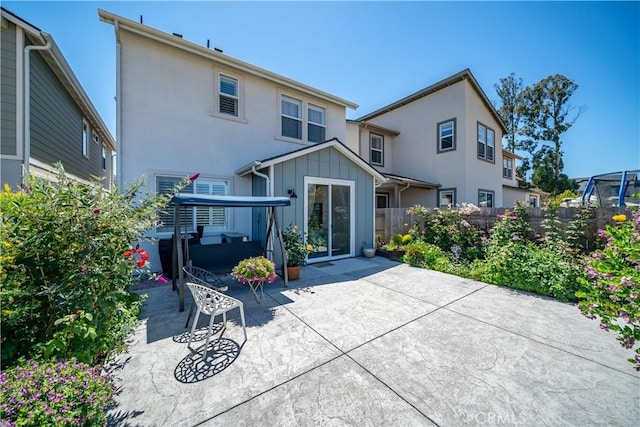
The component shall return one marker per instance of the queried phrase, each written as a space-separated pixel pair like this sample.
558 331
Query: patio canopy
201 200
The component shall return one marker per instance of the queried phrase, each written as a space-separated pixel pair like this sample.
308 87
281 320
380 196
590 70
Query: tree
546 111
511 110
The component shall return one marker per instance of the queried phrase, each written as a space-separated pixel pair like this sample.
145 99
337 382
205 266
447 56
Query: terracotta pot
293 272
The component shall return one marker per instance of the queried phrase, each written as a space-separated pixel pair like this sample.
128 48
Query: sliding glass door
329 223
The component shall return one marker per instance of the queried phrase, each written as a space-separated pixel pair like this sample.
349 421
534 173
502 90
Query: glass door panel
318 220
340 220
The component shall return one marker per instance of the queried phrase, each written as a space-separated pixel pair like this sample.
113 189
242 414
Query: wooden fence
396 220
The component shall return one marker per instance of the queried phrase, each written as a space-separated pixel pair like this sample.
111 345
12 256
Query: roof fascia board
160 36
377 128
317 147
23 24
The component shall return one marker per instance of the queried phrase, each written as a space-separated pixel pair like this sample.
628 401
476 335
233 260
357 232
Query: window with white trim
85 138
212 219
228 89
316 123
382 200
507 167
486 143
291 113
447 135
104 158
485 198
533 201
446 197
376 145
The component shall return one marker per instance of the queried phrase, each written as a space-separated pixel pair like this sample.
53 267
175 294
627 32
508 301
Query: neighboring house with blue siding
184 108
60 124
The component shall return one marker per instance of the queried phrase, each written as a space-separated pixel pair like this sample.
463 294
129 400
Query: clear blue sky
374 53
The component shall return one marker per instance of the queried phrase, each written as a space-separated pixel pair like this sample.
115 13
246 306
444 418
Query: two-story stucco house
46 116
184 108
439 146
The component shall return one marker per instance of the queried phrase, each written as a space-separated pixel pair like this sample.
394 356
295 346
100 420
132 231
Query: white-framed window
291 112
446 197
447 135
104 158
507 167
486 143
485 198
85 138
316 123
212 219
534 201
376 146
382 200
228 95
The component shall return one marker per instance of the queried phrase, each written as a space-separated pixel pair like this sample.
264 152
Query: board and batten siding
56 125
327 163
258 215
8 139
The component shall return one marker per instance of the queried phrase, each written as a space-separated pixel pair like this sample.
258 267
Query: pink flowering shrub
255 269
611 286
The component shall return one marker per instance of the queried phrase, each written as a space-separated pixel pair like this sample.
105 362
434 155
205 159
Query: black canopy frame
196 200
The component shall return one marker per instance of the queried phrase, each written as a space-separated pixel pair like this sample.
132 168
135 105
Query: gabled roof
410 181
334 142
121 23
458 77
65 75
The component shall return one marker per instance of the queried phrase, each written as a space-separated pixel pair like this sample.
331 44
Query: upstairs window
486 143
316 126
228 90
212 219
507 167
291 112
447 135
485 198
85 138
376 143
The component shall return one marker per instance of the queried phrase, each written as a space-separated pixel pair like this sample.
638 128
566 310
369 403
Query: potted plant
394 250
255 271
297 251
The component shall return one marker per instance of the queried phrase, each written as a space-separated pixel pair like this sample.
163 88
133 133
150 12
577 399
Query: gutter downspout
27 106
400 195
118 154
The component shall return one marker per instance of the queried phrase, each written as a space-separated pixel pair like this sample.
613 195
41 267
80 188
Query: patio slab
462 371
373 342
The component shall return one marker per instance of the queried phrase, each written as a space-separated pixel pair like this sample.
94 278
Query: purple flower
96 210
591 272
602 234
628 343
604 327
625 281
596 255
194 176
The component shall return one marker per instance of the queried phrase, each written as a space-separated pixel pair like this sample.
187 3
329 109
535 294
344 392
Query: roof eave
160 36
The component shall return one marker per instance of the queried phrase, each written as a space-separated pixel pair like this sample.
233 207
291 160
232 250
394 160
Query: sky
374 53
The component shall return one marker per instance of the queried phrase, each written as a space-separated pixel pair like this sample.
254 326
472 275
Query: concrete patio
372 342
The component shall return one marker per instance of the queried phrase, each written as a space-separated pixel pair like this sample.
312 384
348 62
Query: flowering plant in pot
255 271
297 250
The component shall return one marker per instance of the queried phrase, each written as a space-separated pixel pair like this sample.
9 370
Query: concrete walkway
373 342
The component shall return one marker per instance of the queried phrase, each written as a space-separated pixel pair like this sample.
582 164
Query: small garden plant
64 393
297 250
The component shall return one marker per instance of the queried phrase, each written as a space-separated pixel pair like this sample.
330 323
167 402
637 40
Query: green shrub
64 269
406 239
54 394
397 239
424 255
526 266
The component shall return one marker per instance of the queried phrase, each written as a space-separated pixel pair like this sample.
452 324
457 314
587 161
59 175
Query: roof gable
334 142
456 78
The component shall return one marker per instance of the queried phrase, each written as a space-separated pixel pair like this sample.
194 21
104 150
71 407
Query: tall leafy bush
63 269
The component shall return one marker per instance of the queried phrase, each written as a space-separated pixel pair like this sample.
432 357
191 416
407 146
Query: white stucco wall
169 124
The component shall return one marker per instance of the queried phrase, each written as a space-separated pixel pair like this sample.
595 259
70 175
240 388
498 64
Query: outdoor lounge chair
202 277
213 303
